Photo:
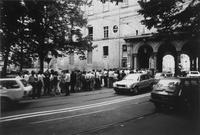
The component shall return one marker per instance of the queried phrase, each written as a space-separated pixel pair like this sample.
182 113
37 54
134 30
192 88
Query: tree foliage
170 16
31 28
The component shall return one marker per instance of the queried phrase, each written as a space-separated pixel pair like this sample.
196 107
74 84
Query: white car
193 74
14 89
133 83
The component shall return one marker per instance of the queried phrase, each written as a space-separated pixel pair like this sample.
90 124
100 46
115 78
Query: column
135 61
155 61
129 56
177 63
198 63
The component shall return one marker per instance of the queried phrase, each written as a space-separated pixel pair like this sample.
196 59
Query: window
124 48
105 28
125 3
124 62
71 59
10 84
89 57
105 6
91 10
90 32
105 51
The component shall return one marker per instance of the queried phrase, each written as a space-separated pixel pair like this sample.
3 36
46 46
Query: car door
141 84
12 89
146 81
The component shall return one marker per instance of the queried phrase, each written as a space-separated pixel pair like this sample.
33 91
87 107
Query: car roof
138 74
6 79
171 78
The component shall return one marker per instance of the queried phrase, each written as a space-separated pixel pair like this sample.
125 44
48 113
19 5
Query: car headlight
114 85
128 85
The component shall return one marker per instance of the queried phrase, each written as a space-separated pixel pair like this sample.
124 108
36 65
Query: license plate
163 93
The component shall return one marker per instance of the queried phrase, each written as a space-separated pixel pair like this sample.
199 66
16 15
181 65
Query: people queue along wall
51 83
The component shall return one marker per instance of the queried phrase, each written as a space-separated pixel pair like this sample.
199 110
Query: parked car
13 89
162 75
175 92
133 83
193 74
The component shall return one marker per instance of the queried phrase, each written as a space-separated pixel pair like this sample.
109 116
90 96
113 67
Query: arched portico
148 51
192 49
163 50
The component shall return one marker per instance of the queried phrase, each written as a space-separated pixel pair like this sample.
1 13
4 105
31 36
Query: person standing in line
51 82
67 83
40 84
55 82
33 81
73 81
26 75
83 81
47 83
105 74
62 82
78 80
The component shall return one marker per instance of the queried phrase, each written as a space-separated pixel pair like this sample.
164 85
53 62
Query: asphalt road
95 113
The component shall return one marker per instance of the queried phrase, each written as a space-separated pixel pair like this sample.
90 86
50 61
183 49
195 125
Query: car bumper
123 90
164 99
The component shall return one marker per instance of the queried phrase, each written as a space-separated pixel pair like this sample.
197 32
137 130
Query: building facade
108 25
121 41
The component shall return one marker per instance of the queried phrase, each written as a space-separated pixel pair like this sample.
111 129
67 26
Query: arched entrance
144 55
168 63
166 58
192 49
185 62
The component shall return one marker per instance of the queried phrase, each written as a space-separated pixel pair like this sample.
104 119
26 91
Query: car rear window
9 84
194 72
133 77
168 82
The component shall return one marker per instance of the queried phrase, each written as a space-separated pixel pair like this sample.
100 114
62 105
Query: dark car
175 92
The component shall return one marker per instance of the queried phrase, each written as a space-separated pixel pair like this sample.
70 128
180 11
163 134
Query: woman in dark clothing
47 83
73 81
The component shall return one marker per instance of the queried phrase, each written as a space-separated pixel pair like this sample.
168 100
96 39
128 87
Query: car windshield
24 82
159 75
194 72
166 83
132 77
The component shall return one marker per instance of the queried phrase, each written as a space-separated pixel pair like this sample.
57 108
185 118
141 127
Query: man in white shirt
67 83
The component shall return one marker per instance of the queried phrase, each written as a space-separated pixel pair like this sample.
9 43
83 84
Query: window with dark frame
124 62
124 48
105 29
90 32
105 51
89 57
125 3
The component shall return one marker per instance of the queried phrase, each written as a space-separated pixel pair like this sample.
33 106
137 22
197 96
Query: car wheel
117 92
135 90
150 87
158 106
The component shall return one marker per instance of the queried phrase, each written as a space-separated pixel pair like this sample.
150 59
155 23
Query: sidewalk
81 93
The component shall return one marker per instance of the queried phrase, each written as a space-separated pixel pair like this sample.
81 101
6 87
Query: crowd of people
51 83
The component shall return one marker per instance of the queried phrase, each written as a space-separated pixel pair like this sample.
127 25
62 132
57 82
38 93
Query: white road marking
78 115
50 112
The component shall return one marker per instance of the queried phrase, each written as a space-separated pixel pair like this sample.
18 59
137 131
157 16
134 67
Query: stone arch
144 54
192 49
165 49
